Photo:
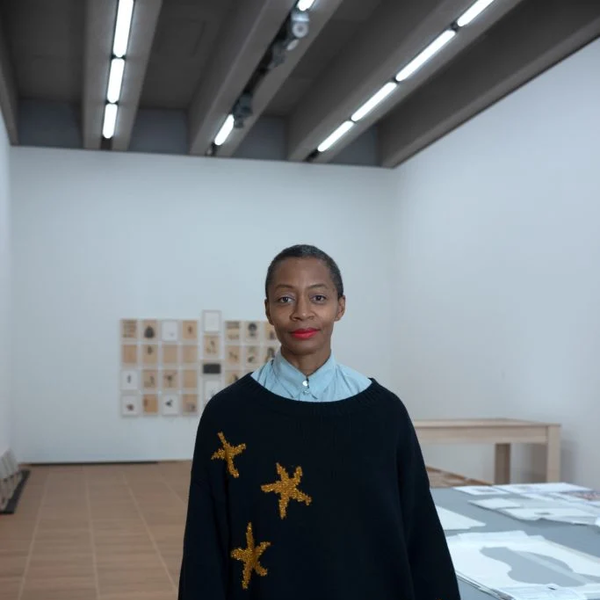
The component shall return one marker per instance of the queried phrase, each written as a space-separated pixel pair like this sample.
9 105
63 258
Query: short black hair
306 251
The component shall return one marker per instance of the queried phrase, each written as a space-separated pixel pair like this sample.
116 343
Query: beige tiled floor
104 532
96 533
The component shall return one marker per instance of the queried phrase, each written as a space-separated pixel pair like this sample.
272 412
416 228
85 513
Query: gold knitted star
228 453
250 556
288 488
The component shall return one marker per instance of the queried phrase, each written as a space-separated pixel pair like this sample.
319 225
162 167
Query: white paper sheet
541 488
542 592
481 490
495 503
452 521
552 513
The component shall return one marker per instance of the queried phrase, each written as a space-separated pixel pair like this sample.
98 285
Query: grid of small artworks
173 367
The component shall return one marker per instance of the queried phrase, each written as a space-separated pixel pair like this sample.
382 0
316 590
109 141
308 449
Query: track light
122 28
416 63
471 13
305 5
342 130
225 131
115 79
374 101
110 120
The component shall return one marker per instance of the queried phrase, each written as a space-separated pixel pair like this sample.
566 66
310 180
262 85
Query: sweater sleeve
205 546
432 571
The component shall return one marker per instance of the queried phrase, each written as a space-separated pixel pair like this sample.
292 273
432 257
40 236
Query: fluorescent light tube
344 128
115 79
474 11
110 121
224 132
304 4
375 100
416 63
122 28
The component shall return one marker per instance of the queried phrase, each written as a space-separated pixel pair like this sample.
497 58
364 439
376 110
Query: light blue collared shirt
330 382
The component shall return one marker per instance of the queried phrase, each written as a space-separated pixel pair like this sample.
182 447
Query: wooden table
500 432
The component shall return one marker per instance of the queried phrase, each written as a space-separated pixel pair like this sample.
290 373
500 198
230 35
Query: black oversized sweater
294 500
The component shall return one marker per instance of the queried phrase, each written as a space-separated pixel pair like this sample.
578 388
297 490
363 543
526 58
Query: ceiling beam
100 20
539 34
143 29
396 33
249 29
320 14
8 92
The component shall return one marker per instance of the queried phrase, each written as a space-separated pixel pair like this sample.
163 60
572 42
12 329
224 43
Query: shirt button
305 383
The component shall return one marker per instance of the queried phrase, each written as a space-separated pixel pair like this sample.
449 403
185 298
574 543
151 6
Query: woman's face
303 305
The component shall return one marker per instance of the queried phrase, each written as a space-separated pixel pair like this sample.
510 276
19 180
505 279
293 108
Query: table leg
553 453
502 467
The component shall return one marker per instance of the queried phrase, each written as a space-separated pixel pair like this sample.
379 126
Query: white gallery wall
497 270
5 292
101 236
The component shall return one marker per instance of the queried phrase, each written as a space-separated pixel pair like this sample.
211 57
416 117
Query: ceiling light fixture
115 79
471 13
374 101
110 120
416 63
305 4
225 131
342 130
122 28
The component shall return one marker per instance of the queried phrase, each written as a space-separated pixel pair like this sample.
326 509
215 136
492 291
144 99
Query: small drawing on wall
232 331
268 353
211 321
211 388
252 356
129 354
233 356
170 331
130 405
212 346
269 333
150 379
189 404
129 379
150 330
189 331
129 330
251 332
170 405
170 379
170 354
232 376
149 354
190 379
150 404
190 355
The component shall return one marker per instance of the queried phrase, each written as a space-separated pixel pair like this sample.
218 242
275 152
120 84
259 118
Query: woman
307 480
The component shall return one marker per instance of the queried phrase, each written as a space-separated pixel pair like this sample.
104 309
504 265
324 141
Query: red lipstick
304 334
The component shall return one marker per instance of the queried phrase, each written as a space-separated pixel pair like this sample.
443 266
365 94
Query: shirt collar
293 380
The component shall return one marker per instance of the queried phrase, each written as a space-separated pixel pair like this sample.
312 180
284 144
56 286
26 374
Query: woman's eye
320 298
284 300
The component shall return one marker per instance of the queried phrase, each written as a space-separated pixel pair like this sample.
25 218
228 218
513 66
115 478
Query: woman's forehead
301 270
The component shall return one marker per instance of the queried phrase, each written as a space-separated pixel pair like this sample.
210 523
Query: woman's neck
307 363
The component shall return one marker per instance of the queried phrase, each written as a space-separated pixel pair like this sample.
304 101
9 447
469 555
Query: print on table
232 331
189 331
170 331
150 330
149 354
129 379
129 354
129 329
130 405
150 404
150 379
170 405
170 379
251 332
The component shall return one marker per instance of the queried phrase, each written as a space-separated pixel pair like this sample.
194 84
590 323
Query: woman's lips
304 334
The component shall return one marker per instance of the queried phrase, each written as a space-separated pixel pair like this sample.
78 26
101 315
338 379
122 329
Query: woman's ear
341 308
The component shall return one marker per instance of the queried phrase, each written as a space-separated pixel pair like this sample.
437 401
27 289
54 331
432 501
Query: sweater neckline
268 399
